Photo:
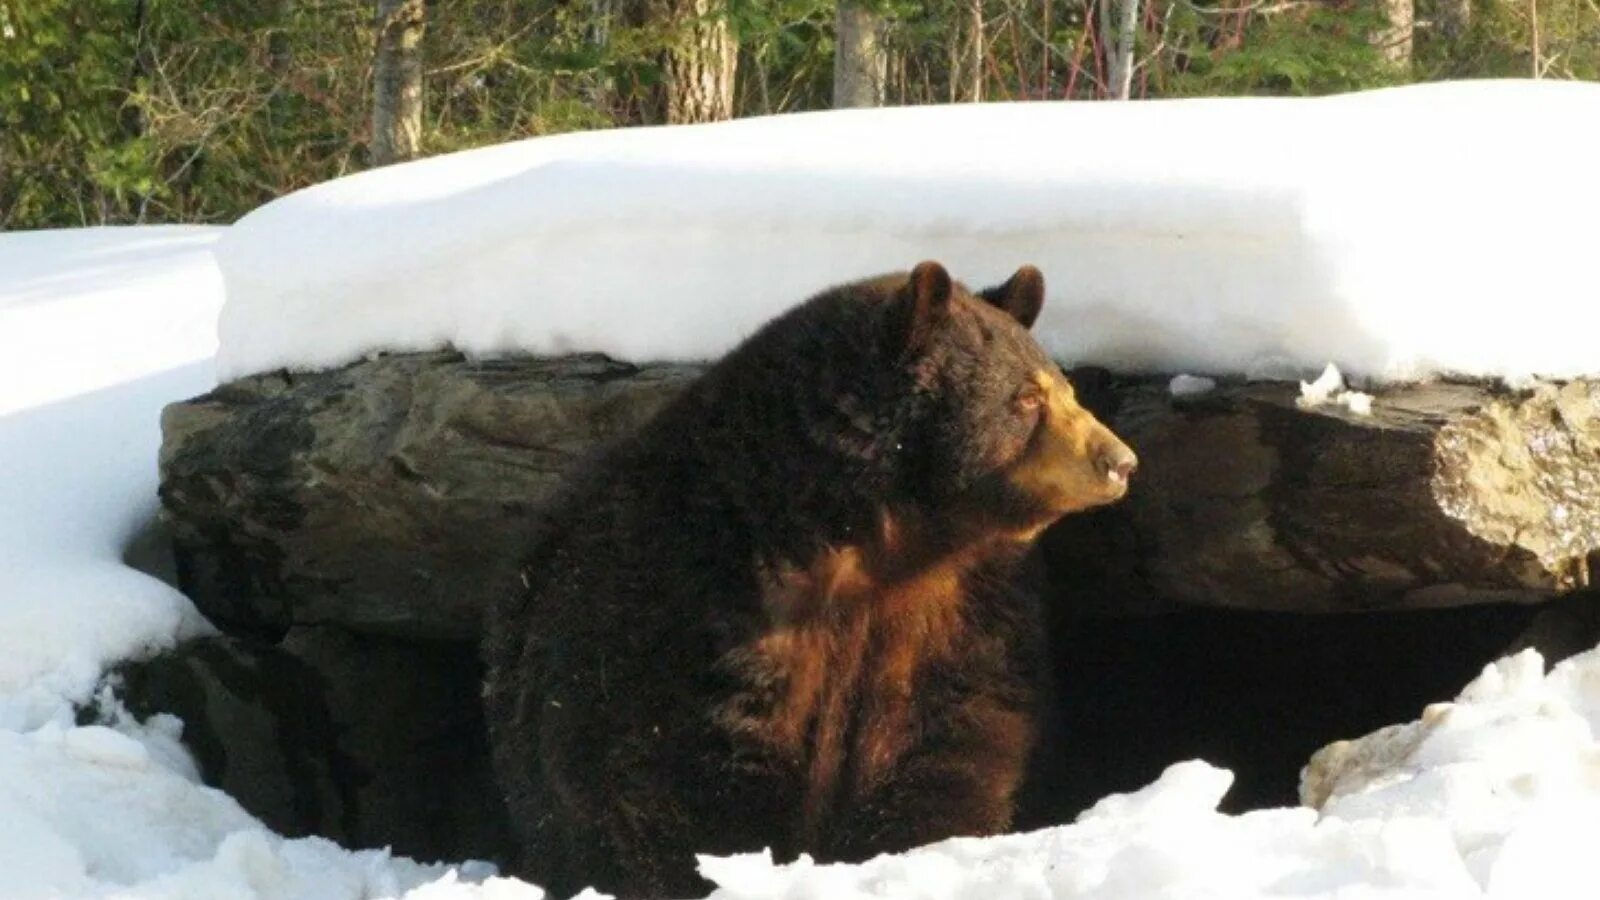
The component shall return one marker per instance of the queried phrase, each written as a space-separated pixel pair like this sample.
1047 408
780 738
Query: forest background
143 111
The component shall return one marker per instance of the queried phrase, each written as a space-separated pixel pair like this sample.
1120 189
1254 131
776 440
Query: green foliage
1317 49
60 108
169 110
1499 40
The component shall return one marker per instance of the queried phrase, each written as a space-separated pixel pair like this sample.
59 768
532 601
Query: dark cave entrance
1258 693
378 741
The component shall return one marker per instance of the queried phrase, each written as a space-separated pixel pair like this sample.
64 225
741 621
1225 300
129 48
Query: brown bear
781 614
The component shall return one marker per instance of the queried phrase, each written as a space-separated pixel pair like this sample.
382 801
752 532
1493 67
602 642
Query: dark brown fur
782 615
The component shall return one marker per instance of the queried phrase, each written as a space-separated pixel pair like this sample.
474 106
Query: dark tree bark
395 495
397 82
1245 500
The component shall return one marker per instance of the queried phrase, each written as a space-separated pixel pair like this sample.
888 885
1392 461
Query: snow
1184 385
1329 390
65 296
1287 238
1400 233
98 329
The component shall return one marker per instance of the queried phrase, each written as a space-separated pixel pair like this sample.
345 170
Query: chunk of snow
1329 390
1189 385
1512 768
1357 402
1287 235
103 746
1319 392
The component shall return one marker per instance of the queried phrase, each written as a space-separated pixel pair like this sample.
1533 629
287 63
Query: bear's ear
1022 295
923 305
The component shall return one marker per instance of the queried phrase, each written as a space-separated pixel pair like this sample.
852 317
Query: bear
782 614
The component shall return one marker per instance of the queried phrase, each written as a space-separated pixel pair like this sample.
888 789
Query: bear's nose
1118 463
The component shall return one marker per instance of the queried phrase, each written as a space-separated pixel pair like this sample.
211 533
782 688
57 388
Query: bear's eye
1029 398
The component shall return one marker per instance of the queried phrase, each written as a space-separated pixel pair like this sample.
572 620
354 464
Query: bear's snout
1118 463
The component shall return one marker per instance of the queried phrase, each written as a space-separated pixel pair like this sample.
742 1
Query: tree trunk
1454 17
1244 500
397 82
700 62
1394 40
395 495
601 88
1119 22
859 62
973 54
1533 23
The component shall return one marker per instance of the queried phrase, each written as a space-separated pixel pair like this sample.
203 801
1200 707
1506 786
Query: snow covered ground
98 330
1441 227
1273 240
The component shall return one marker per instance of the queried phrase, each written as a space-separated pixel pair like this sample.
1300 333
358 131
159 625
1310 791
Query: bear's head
1000 434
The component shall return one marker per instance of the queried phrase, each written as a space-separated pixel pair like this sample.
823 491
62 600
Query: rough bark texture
393 496
1395 40
699 66
397 82
860 64
1246 501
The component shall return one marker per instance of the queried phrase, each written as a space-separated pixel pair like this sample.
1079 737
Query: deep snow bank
1396 233
98 330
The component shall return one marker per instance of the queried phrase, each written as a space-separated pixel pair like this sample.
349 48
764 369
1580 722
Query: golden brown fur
783 615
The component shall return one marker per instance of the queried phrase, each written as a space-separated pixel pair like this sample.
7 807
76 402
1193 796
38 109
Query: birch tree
1119 20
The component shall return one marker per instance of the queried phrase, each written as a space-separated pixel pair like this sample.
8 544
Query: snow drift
1397 233
98 330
